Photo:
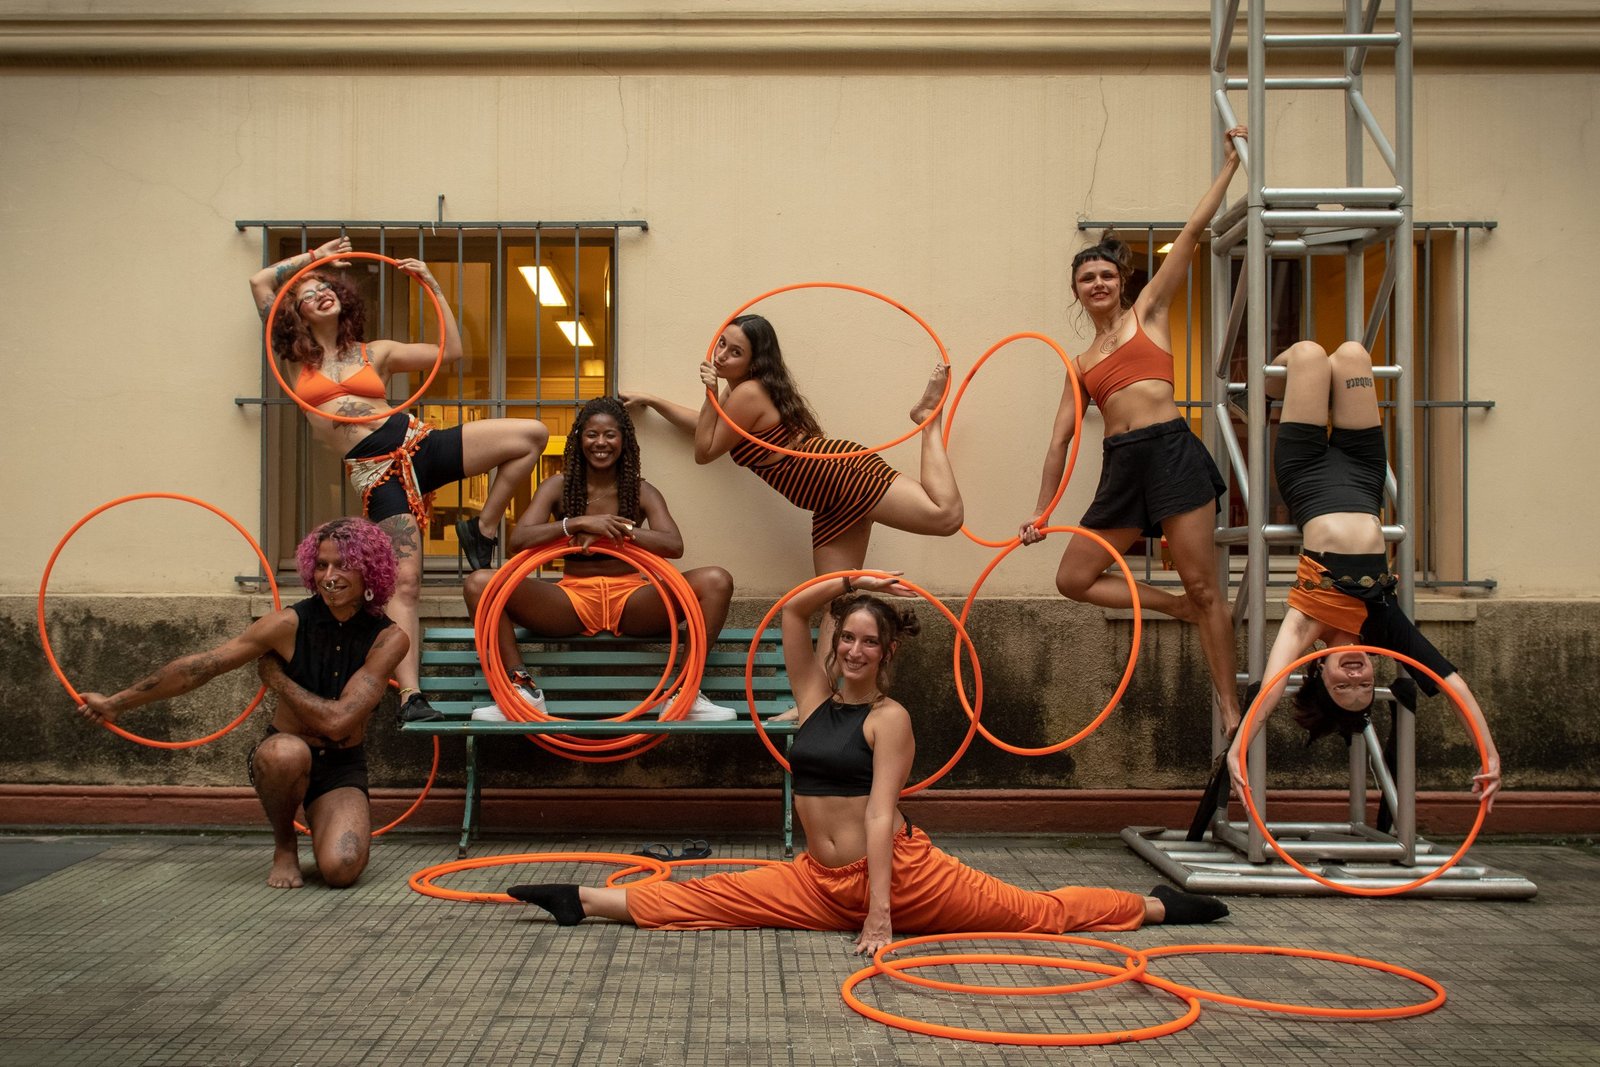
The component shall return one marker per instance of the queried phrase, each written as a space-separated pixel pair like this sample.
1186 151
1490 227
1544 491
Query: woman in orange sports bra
1156 476
845 496
397 462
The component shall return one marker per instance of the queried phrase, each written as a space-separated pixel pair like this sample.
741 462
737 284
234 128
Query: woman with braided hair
397 462
600 494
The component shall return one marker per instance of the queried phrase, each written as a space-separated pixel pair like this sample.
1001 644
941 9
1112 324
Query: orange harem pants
931 892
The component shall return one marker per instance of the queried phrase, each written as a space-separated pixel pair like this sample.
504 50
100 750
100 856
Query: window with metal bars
535 303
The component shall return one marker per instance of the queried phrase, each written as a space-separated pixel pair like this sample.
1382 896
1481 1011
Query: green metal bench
591 680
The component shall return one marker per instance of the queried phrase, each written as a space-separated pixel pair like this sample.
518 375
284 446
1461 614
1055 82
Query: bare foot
931 393
285 873
788 716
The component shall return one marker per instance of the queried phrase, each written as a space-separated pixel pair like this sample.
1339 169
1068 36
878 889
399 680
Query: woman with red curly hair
328 658
395 463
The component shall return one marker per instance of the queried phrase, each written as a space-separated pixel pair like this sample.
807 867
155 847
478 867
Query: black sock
1184 908
560 899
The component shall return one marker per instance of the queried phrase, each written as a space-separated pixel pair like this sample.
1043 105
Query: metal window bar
273 231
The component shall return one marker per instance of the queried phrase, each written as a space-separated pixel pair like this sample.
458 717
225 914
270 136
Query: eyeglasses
315 293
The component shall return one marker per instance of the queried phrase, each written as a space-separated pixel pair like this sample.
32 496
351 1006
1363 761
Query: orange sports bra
316 388
1138 360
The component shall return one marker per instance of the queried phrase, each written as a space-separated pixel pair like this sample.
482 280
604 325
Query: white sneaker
529 692
532 695
702 710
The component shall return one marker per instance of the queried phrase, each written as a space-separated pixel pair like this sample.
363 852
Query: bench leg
788 805
469 811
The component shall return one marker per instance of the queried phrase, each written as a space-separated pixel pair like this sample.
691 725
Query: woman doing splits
601 494
398 462
865 868
328 658
845 496
1344 592
1156 477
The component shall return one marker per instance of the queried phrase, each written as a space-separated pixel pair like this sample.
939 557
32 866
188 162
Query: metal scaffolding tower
1276 223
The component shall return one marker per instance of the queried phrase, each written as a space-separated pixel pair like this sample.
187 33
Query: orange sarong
931 892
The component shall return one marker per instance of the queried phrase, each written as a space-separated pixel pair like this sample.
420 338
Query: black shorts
1323 473
437 461
331 768
1151 474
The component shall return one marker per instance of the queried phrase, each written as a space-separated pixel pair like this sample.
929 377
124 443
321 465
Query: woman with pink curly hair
328 658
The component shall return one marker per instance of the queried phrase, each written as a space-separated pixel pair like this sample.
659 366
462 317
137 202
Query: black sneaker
478 549
417 709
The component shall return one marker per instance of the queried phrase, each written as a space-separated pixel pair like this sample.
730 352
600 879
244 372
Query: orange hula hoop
1077 425
423 881
669 584
1009 1037
1127 672
1136 966
272 355
944 355
1272 842
44 633
962 638
1402 1012
614 879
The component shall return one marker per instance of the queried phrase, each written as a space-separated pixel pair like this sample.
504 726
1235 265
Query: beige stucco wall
941 154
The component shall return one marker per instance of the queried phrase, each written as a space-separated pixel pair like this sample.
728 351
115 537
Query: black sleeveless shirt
830 756
328 652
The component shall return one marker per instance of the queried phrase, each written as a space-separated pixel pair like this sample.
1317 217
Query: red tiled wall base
702 811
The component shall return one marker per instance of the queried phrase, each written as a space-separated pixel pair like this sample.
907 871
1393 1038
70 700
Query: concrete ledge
701 811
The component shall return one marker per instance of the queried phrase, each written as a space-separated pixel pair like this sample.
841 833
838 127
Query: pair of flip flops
692 849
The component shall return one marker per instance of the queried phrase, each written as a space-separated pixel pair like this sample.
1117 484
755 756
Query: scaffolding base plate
1216 868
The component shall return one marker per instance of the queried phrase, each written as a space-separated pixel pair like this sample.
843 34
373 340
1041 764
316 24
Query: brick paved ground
172 950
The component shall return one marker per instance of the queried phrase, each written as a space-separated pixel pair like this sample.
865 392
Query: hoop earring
367 596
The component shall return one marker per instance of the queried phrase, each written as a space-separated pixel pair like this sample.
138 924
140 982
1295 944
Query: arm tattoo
1358 383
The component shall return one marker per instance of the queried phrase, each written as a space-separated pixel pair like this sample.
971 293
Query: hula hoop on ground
1133 650
1402 1012
1117 975
944 355
669 584
423 880
614 879
44 633
1077 425
1010 1037
1272 842
962 638
311 409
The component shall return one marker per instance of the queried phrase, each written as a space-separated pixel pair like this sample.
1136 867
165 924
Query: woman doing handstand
865 866
398 462
1344 592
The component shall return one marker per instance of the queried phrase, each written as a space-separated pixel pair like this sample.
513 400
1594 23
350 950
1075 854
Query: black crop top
830 756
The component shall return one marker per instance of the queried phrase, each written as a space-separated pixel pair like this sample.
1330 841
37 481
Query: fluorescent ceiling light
1163 250
577 336
542 281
